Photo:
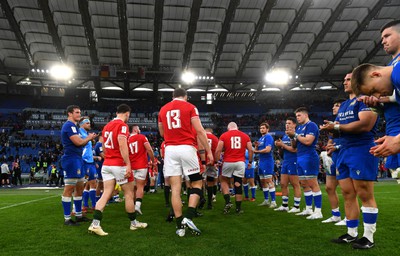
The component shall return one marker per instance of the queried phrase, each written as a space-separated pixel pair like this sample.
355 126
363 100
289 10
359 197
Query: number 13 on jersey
173 119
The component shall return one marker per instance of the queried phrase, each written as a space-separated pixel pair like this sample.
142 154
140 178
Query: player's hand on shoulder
370 101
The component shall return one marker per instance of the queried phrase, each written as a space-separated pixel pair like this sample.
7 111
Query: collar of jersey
178 99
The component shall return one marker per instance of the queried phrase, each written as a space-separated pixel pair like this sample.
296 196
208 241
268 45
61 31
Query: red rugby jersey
137 151
110 133
176 117
235 144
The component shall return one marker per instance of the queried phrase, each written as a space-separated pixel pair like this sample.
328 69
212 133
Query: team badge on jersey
358 172
78 171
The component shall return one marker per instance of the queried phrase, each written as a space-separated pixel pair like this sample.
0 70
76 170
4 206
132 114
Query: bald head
232 126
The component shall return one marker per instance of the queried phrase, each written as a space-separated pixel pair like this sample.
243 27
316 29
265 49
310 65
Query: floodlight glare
188 77
61 72
277 77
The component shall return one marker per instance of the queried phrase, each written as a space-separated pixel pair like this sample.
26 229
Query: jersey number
210 142
109 143
173 119
133 147
236 142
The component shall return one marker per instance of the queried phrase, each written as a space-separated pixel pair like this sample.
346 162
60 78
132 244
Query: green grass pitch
31 223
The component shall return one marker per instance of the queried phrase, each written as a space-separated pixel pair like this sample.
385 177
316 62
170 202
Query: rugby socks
272 193
253 192
66 203
238 205
78 206
215 188
308 197
138 202
190 213
92 196
179 222
297 202
167 190
97 217
266 193
336 212
370 215
132 217
246 190
317 200
285 201
227 198
352 226
85 197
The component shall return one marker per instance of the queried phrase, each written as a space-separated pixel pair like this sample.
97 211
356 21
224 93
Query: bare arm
161 129
79 142
201 135
150 152
307 140
267 149
218 150
282 145
123 148
365 124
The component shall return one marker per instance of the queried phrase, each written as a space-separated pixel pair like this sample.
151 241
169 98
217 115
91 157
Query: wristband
203 162
336 127
202 151
295 136
250 162
337 147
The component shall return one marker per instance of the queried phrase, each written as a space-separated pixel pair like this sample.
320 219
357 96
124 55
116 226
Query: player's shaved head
232 126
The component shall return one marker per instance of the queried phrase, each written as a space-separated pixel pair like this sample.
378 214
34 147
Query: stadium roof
141 44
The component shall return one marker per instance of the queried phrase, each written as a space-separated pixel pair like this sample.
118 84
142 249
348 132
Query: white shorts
233 169
180 160
114 172
211 172
140 174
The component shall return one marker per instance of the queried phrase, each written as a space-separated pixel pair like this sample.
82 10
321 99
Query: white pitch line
27 202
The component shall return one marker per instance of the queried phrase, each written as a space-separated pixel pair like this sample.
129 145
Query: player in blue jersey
305 139
99 159
333 148
248 180
356 168
289 170
264 147
390 34
89 166
72 162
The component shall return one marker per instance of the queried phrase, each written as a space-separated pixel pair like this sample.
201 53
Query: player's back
235 144
110 133
176 117
137 151
212 141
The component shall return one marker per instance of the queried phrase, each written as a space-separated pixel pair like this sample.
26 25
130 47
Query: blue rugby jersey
348 113
70 150
309 128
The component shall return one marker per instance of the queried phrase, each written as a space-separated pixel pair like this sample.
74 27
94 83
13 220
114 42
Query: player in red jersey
176 120
139 151
211 172
235 143
116 168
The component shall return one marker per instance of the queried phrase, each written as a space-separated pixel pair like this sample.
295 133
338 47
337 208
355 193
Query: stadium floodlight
188 77
61 72
277 76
